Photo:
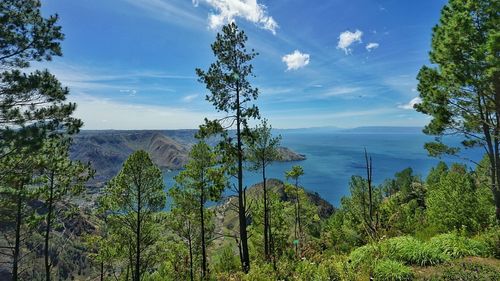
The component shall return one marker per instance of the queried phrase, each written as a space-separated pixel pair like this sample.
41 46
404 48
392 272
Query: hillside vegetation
443 226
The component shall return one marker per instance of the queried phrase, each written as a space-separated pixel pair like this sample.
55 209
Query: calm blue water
333 157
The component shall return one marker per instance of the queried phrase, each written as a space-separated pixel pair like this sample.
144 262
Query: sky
130 64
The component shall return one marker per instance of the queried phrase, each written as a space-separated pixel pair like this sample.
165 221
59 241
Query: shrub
363 256
261 272
305 270
225 260
392 271
412 251
457 246
490 238
454 202
328 271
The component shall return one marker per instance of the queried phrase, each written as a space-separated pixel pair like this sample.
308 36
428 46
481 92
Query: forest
442 226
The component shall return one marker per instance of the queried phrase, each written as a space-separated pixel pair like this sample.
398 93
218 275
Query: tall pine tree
230 92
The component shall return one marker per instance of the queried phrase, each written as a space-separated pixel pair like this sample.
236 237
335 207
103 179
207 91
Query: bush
225 260
457 246
490 238
328 271
454 202
363 256
392 271
412 251
260 272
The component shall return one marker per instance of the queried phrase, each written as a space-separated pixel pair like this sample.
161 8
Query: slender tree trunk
48 227
496 183
298 215
138 237
493 154
190 244
17 242
102 271
266 215
203 243
369 176
241 193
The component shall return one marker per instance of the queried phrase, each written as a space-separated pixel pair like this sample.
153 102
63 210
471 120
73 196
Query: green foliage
363 256
131 203
295 173
459 50
461 92
174 263
405 249
339 234
227 79
452 202
392 271
491 238
33 105
457 246
225 260
262 272
412 251
262 147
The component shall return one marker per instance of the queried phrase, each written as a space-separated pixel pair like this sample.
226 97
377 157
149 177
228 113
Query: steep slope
108 150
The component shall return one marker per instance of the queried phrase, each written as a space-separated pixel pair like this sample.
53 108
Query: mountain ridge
107 150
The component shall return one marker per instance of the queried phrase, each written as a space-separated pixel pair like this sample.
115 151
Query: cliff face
108 150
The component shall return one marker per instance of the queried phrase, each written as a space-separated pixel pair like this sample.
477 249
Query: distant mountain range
356 130
107 150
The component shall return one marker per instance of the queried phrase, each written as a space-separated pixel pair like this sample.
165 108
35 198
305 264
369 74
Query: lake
333 157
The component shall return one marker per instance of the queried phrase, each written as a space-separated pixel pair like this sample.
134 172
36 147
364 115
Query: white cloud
339 91
227 10
410 105
371 46
346 39
189 98
101 113
296 60
131 93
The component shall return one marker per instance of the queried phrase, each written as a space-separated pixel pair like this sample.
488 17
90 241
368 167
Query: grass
412 251
457 246
392 271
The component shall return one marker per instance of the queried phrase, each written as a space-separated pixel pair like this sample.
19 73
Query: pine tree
202 180
262 151
227 81
32 105
133 200
462 91
295 173
63 179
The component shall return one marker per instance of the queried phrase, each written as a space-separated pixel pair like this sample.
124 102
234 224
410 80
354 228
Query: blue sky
130 64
